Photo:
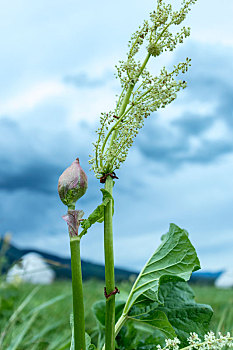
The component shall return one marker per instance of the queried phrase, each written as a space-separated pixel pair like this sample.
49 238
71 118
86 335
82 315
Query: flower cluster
170 344
142 93
210 342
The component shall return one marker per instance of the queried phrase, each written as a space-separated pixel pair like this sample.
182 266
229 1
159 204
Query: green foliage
98 309
128 337
98 214
160 304
160 299
26 313
8 294
21 332
221 301
89 346
137 336
157 320
174 259
177 316
183 313
53 332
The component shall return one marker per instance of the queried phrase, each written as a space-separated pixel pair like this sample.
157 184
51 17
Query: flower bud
72 184
154 49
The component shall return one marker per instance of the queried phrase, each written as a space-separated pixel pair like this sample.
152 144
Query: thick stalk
120 323
77 287
109 271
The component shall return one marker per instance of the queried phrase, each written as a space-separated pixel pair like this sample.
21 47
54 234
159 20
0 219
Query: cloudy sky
56 77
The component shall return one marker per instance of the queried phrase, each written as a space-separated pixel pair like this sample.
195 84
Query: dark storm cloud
173 147
191 125
38 176
211 78
32 158
213 89
34 151
21 165
210 151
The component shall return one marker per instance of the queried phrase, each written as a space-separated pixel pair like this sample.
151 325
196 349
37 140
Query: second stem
109 271
77 287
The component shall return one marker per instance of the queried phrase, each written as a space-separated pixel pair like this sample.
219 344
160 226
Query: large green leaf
184 314
128 337
156 320
98 214
150 342
140 335
175 259
142 306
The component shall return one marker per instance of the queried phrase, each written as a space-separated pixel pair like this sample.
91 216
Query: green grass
44 321
221 301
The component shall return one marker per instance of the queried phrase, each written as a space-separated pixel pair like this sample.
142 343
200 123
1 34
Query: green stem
109 271
120 323
77 287
120 115
128 95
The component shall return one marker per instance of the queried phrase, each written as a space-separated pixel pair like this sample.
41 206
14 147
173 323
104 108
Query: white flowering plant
211 341
160 311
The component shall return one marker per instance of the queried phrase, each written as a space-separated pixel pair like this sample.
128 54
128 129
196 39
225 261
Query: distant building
225 280
31 268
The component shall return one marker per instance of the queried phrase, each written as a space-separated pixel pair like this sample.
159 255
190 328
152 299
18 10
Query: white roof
31 268
225 280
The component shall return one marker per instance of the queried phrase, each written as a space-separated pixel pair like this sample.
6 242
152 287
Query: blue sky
57 76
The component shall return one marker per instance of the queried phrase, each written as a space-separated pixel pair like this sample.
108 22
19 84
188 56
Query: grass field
42 320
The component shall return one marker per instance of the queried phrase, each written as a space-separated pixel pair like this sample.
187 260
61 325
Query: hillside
60 265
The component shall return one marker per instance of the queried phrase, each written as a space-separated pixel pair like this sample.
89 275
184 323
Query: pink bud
72 184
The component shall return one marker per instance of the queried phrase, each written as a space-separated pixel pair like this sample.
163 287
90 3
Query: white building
31 268
225 280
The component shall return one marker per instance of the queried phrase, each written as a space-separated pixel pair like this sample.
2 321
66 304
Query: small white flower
211 342
193 340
